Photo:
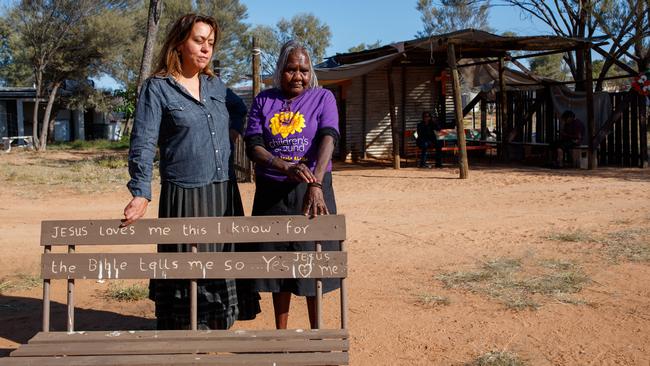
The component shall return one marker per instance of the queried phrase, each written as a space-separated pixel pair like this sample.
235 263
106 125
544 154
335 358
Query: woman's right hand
134 210
300 173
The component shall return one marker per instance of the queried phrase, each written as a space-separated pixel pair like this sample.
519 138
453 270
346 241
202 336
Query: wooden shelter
382 93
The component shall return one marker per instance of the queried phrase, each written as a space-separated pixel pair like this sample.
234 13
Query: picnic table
6 142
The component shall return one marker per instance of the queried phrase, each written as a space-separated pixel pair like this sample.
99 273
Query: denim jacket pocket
179 114
219 101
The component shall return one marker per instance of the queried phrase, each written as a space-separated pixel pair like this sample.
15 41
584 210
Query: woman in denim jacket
186 110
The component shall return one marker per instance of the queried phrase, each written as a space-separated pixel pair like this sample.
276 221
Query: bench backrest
193 265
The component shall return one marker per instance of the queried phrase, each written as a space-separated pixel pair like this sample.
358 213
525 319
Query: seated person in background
426 137
571 133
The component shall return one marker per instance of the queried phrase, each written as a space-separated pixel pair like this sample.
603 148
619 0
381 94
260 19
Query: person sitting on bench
426 137
571 133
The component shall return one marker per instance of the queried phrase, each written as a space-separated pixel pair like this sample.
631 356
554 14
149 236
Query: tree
232 51
304 27
14 69
61 40
153 21
550 66
269 42
627 25
625 22
362 46
452 15
568 18
308 29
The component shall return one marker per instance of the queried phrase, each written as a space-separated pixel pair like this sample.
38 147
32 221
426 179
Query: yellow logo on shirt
287 123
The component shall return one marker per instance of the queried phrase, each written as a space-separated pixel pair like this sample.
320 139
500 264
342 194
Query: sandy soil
405 229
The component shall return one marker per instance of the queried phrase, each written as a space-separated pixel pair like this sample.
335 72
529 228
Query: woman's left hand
314 202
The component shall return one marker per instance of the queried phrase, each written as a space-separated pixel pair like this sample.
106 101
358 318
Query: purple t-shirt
289 127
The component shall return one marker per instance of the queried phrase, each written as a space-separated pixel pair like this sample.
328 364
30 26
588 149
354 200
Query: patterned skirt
217 298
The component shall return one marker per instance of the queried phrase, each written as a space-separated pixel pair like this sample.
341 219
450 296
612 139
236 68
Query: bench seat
178 347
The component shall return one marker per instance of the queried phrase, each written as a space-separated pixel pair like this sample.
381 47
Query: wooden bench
189 347
411 149
539 152
6 142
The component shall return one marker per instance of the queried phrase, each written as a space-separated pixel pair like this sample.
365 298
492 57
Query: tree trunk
639 48
50 127
579 76
39 86
46 117
155 10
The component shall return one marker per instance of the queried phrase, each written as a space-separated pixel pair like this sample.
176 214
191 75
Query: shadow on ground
21 319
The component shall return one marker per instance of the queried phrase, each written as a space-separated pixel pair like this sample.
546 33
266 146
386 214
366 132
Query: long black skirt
248 300
286 198
217 298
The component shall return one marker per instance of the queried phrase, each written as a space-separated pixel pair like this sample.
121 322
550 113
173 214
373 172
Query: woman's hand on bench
134 210
314 202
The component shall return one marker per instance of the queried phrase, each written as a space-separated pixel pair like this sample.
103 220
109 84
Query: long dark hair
169 59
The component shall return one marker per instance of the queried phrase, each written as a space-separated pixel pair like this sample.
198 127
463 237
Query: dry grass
630 245
571 236
120 291
519 287
431 300
497 358
21 281
38 174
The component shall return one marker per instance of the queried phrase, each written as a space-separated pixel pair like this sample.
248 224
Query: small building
17 108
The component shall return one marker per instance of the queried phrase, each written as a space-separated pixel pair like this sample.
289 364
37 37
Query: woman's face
296 74
196 51
426 117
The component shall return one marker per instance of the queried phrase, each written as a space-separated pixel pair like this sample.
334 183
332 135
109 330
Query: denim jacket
192 135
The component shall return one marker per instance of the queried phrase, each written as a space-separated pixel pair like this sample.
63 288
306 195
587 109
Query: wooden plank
158 347
503 111
194 265
634 132
194 230
589 88
626 136
70 303
643 135
470 106
170 335
393 119
262 359
618 132
46 298
611 153
458 113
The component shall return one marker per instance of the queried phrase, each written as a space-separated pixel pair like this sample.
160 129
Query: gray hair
286 50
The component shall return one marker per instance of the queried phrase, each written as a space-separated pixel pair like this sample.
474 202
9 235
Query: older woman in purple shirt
291 133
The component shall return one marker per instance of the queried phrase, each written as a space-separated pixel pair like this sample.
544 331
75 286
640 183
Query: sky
365 21
355 21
